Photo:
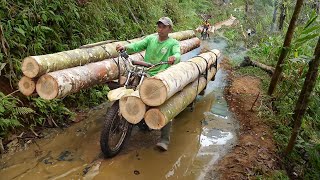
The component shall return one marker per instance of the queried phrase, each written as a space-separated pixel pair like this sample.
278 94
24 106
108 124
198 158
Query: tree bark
61 83
274 18
132 108
35 66
303 100
158 117
156 90
283 14
285 48
27 86
248 62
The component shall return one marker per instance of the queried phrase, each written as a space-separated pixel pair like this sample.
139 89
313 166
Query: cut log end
154 119
47 87
153 92
30 67
132 109
26 86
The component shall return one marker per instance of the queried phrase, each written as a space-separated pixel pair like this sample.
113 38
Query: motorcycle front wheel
116 131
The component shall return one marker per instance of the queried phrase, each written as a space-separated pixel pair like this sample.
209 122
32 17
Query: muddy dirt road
198 140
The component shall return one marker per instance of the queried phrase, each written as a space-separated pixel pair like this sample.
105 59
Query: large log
132 108
156 90
61 83
35 66
158 117
248 62
27 86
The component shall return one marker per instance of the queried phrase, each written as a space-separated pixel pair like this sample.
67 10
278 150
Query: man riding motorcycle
159 48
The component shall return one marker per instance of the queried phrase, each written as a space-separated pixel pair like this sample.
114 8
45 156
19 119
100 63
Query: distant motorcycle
204 35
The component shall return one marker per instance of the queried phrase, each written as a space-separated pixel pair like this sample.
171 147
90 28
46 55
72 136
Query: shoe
162 146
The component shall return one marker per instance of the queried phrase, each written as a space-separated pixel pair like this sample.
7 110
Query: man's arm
137 46
176 53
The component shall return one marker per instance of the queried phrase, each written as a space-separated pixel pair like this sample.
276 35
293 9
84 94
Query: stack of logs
59 74
163 96
159 98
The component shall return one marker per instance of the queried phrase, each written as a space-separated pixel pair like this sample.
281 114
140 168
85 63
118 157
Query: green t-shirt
156 51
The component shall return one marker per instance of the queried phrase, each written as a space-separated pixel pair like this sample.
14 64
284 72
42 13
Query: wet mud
199 138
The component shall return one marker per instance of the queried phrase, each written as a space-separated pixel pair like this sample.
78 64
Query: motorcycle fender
116 94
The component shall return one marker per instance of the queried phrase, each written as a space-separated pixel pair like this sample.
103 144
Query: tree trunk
248 62
132 108
283 14
285 48
27 86
247 8
158 117
274 18
35 66
61 83
303 100
156 90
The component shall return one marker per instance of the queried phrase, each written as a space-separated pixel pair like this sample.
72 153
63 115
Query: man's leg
165 137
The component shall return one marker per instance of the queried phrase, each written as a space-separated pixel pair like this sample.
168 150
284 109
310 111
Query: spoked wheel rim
118 131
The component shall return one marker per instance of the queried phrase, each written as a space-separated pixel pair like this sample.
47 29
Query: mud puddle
198 139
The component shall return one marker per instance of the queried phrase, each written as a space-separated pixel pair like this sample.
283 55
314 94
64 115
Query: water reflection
210 137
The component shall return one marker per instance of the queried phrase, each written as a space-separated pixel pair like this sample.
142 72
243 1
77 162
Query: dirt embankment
255 153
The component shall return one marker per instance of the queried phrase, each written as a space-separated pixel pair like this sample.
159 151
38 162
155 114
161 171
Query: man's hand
120 48
171 60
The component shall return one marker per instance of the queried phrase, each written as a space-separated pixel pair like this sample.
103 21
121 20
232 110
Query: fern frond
23 110
6 123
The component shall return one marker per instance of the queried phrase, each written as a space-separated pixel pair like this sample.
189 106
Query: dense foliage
264 47
45 26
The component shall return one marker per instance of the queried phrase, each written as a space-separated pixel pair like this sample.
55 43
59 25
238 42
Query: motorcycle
116 130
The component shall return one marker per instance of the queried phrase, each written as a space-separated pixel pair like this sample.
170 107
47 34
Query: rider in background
206 25
159 48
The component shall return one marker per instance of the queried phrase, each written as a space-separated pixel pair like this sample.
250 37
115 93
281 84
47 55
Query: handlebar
141 63
149 66
124 54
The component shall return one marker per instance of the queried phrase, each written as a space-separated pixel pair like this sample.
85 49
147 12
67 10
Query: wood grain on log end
154 119
30 67
26 86
47 87
153 92
132 109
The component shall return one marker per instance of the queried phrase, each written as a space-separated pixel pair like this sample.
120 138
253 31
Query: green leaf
2 65
46 28
23 110
311 29
304 39
19 30
26 23
314 16
44 17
